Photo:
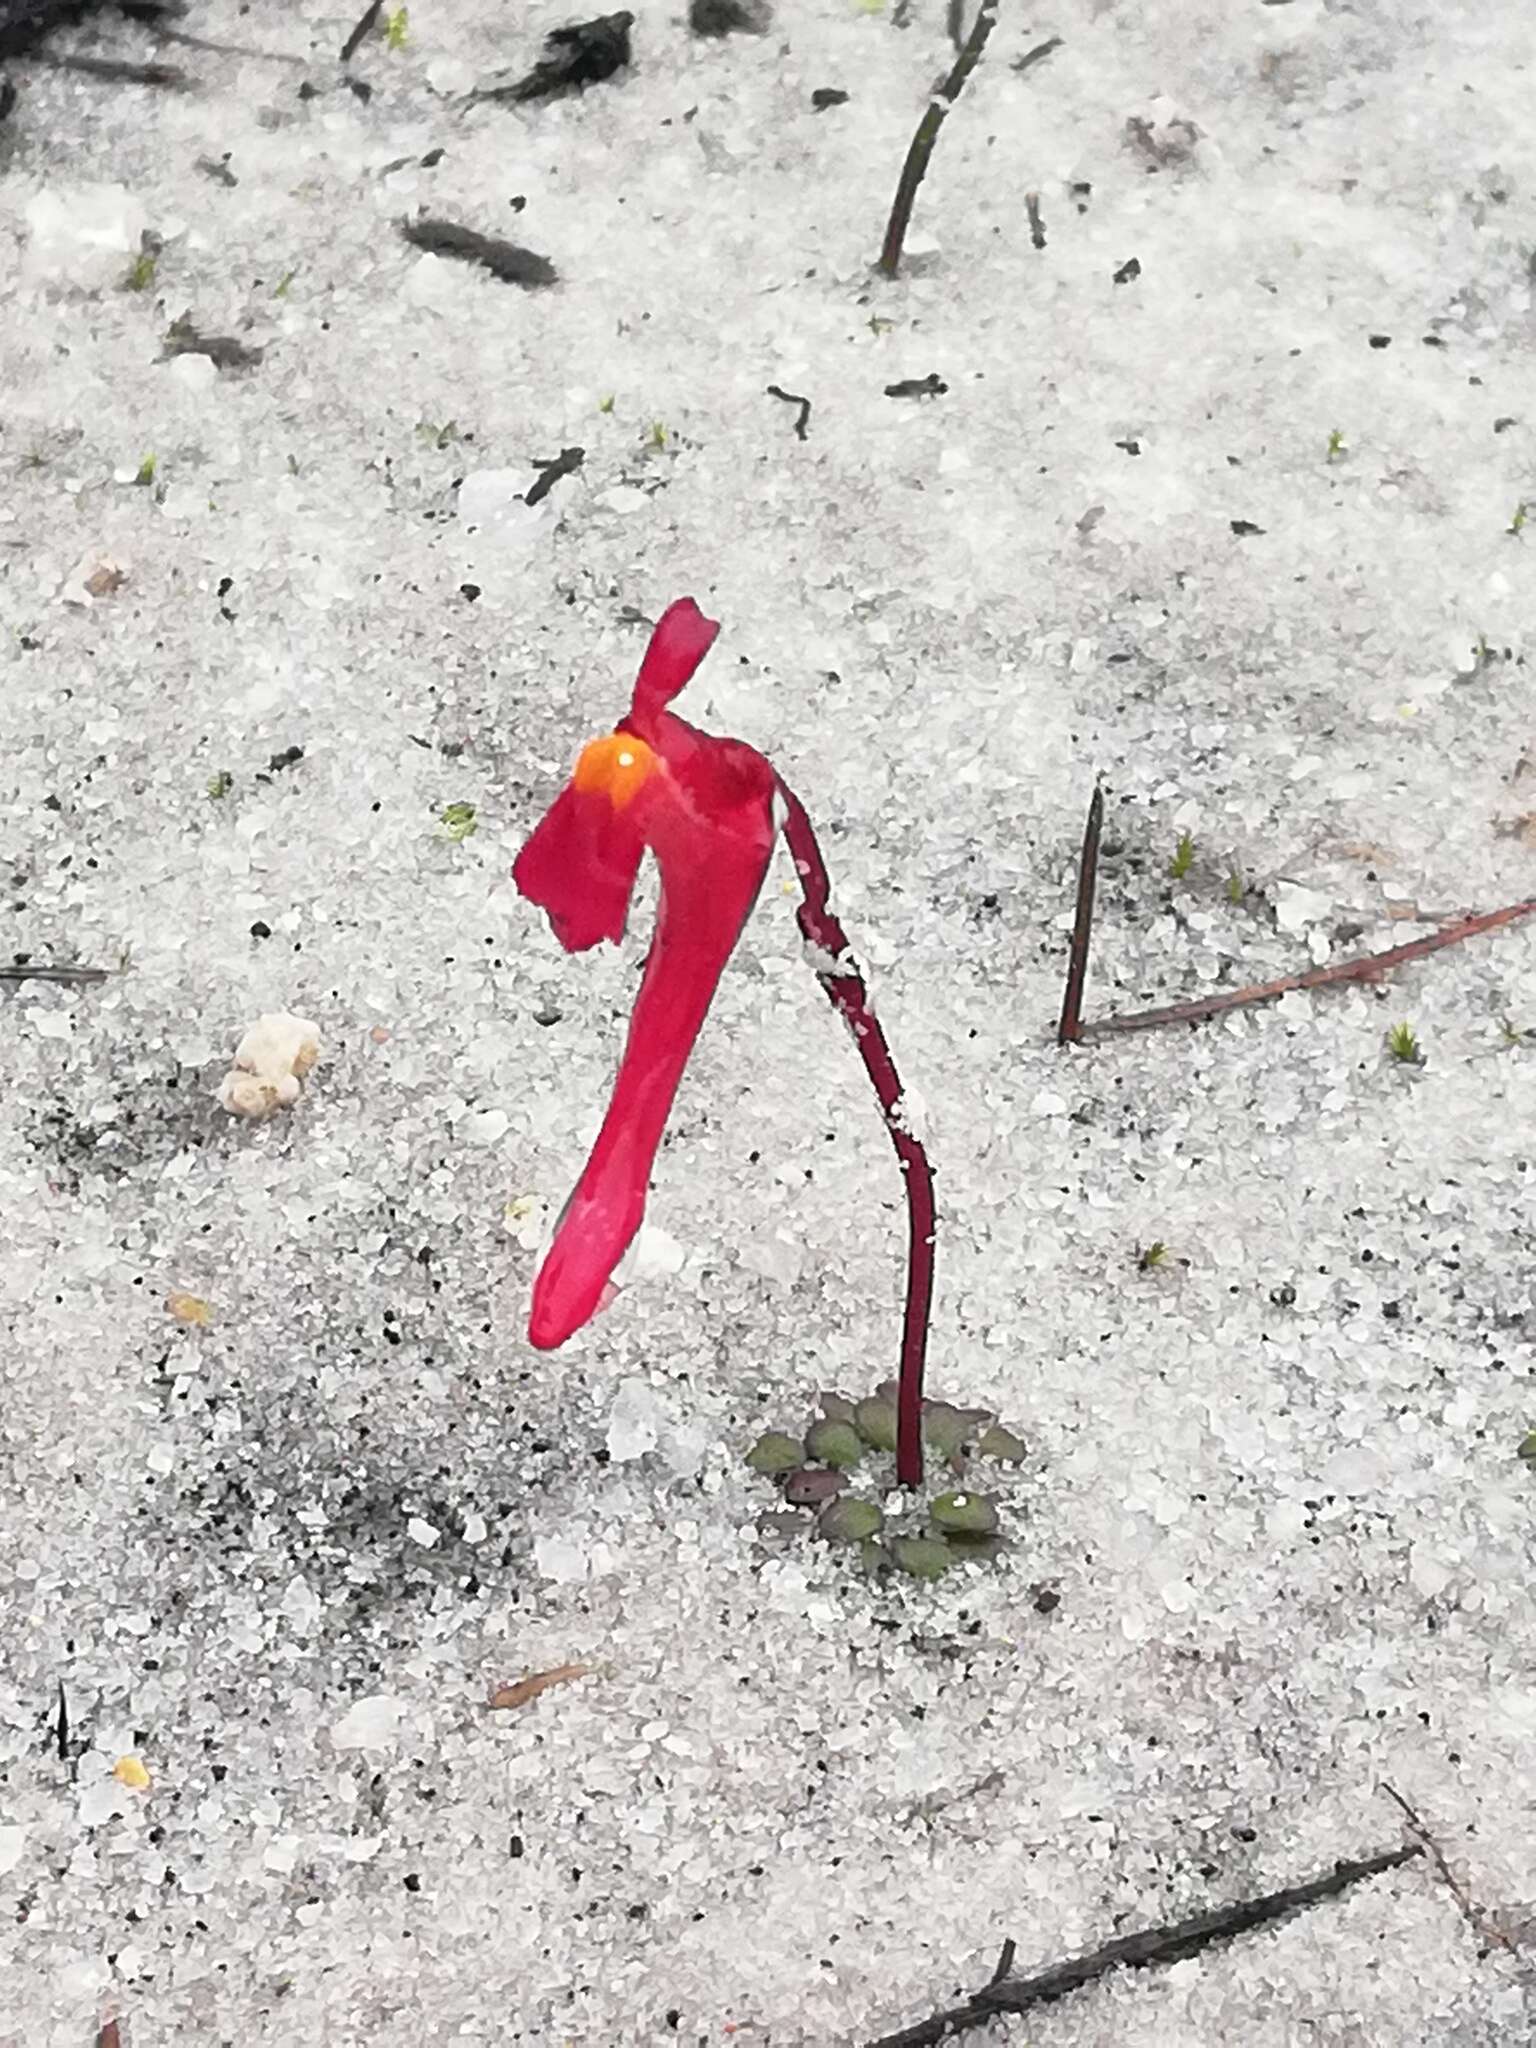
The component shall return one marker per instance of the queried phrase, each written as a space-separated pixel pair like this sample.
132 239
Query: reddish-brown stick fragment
1362 967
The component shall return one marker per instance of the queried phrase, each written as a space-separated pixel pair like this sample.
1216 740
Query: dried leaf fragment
522 1690
189 1308
130 1772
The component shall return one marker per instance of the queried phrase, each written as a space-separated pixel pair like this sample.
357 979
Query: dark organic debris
364 28
228 351
914 166
582 53
503 259
803 419
216 168
566 463
24 970
729 17
1037 55
828 96
285 758
7 97
118 71
1244 527
1168 1944
1070 1029
931 386
1036 220
1128 270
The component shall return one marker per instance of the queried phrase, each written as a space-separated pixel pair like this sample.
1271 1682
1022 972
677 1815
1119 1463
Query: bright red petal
682 638
580 867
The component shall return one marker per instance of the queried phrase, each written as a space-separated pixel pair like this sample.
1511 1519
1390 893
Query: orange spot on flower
619 765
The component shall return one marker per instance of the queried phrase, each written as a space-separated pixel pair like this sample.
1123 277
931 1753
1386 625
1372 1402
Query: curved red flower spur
708 809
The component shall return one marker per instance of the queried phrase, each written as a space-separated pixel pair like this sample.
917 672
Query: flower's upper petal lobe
682 638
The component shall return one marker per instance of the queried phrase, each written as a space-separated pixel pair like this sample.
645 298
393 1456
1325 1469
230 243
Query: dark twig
566 463
582 53
844 985
116 70
1169 1944
803 419
365 27
503 259
1037 55
1475 1917
1070 1029
1362 967
1036 221
61 1726
934 115
24 971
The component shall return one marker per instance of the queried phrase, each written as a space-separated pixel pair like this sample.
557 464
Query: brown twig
1169 1944
1361 967
845 989
934 115
1475 1917
1070 1029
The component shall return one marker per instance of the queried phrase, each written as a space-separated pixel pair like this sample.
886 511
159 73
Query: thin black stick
934 114
1070 1029
1361 967
1036 221
1037 55
803 418
117 70
365 27
1169 1944
59 974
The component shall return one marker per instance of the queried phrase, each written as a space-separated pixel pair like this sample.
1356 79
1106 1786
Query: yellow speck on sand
130 1772
189 1308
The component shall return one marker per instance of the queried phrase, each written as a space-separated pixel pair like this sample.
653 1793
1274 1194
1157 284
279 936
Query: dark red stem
849 997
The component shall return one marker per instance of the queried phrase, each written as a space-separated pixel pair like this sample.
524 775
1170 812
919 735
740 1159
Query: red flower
705 808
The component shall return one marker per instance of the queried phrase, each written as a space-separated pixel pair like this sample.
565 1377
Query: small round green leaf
834 1443
945 1427
875 1421
776 1452
1001 1443
812 1485
985 1548
1527 1449
966 1514
922 1557
837 1406
849 1521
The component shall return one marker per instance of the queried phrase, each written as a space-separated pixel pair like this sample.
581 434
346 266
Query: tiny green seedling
1237 889
438 436
1183 857
141 272
1521 514
1336 446
220 785
397 28
606 402
1526 1451
146 471
459 821
1151 1256
1403 1046
280 289
658 434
